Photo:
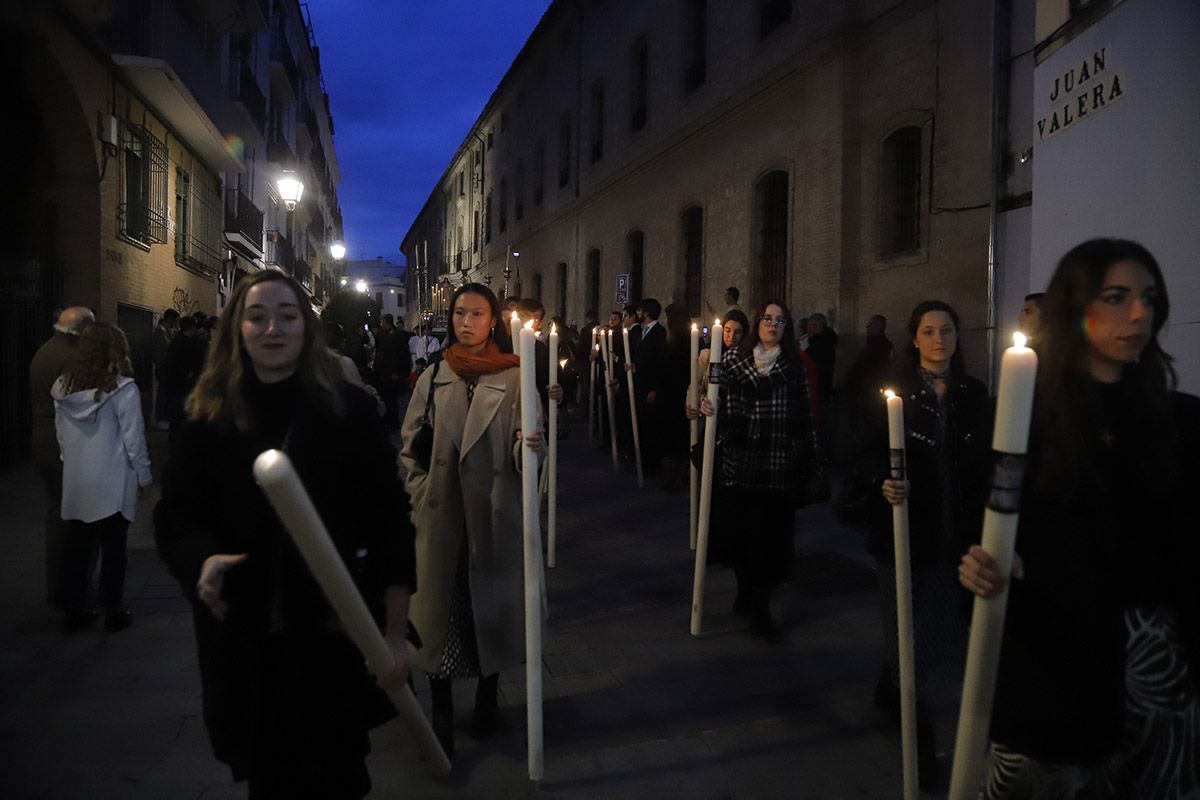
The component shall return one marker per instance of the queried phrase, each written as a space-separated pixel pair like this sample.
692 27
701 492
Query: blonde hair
219 397
100 360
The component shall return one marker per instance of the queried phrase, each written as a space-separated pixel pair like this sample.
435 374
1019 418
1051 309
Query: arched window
537 286
693 258
593 272
635 248
771 225
561 289
900 192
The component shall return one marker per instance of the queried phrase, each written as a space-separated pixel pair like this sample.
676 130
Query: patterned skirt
1160 755
460 655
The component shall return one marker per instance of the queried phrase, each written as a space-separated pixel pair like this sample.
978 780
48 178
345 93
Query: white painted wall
1132 169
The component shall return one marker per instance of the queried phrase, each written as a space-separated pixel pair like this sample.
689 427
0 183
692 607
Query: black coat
968 429
1089 555
649 354
279 680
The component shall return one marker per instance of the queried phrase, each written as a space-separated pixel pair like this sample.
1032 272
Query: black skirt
752 532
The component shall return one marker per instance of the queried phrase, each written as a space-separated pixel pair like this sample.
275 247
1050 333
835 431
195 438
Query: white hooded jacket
103 446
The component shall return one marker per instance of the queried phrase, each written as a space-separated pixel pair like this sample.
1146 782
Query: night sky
405 82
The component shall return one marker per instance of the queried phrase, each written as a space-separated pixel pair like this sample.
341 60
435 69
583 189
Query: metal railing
242 216
281 51
244 88
280 252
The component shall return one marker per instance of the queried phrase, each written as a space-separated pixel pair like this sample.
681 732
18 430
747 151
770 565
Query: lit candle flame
1019 340
516 315
563 363
528 325
694 328
553 328
717 321
888 393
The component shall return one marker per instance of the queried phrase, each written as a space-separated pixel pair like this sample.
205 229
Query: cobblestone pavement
635 707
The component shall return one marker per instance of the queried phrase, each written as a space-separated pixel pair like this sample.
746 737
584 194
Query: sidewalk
635 707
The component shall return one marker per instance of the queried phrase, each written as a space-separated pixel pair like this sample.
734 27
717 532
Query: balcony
243 223
281 53
279 151
244 89
280 253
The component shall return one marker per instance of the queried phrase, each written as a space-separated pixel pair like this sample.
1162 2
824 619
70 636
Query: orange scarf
488 362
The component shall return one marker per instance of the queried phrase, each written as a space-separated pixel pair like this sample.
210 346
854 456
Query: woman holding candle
733 330
768 449
469 609
287 699
947 416
1097 686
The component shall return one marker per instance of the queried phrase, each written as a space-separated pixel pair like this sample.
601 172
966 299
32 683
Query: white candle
552 458
533 556
1010 439
515 328
606 345
693 400
278 479
633 415
706 477
592 420
904 612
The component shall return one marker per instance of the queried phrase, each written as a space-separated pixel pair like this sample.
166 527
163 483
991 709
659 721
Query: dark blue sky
405 81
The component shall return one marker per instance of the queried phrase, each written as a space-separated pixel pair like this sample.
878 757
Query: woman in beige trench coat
468 609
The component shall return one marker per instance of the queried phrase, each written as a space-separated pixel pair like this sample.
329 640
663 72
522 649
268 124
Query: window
199 218
564 149
771 221
476 233
142 212
561 288
503 121
503 204
537 286
379 300
771 15
491 138
693 258
639 83
695 44
487 218
539 171
519 192
593 271
182 193
597 120
900 192
462 183
635 248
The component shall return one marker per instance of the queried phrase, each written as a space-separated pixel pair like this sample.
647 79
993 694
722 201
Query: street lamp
361 286
343 280
508 270
337 250
291 188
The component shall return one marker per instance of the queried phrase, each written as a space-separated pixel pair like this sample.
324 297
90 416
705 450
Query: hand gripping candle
278 479
706 476
904 612
533 557
552 457
1010 440
693 435
633 415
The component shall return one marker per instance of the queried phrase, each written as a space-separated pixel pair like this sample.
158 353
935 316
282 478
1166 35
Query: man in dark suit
648 359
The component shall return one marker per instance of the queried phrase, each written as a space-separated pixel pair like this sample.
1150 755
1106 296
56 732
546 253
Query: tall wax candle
552 458
532 554
706 477
1010 440
693 399
633 414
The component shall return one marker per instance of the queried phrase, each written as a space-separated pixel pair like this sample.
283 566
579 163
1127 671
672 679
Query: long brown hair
100 360
219 396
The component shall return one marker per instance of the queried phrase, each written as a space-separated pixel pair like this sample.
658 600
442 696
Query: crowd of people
1097 688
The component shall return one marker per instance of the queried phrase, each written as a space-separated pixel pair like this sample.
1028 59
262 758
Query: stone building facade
155 132
833 154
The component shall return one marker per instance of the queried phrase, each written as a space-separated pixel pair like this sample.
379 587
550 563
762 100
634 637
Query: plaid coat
766 424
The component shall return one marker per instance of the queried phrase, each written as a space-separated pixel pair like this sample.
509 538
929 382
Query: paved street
634 706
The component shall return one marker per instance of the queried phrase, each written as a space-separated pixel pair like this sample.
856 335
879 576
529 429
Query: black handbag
422 441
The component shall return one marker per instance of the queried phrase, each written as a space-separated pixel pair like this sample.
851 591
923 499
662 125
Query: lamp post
508 269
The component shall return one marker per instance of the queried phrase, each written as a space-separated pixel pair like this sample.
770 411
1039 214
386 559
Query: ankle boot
486 718
443 712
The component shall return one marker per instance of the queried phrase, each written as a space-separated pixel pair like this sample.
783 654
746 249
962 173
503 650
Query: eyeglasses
777 322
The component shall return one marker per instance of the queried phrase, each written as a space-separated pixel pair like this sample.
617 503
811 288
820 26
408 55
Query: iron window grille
773 234
900 192
199 222
142 213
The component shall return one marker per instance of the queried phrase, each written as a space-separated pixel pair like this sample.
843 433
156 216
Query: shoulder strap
432 385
